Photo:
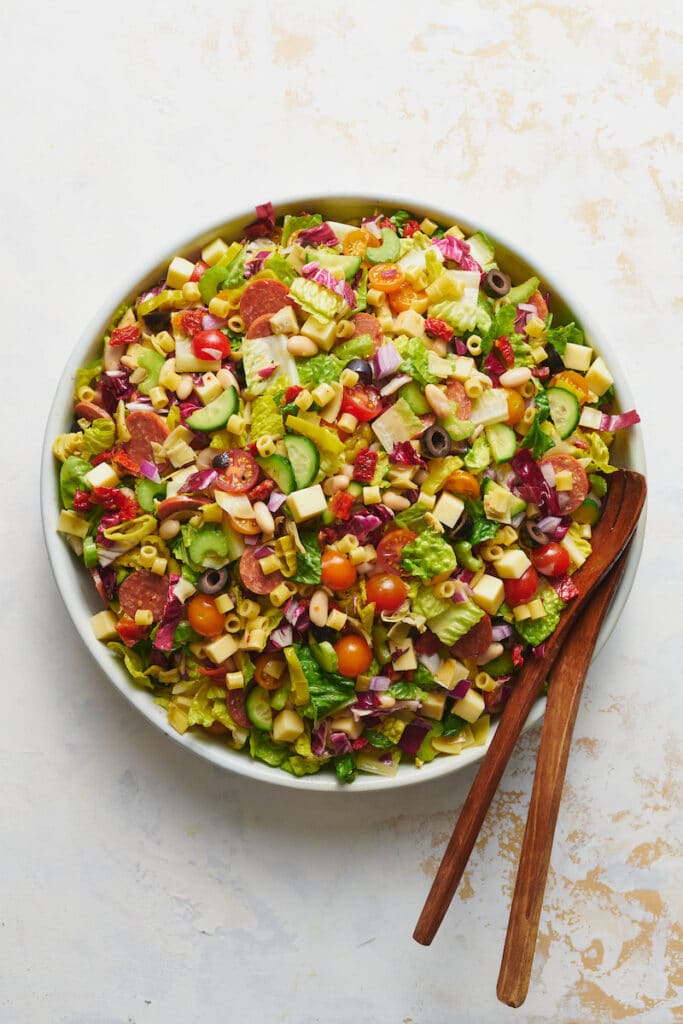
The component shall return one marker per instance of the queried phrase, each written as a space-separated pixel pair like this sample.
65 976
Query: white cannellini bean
263 517
516 377
437 400
318 608
395 501
168 528
226 379
336 483
111 359
205 458
184 389
297 345
493 650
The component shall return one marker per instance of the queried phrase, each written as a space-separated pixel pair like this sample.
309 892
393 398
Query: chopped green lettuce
453 725
315 299
328 691
345 767
72 479
361 293
482 528
456 621
293 224
459 314
560 337
599 454
355 348
263 748
266 418
309 565
283 270
300 766
320 369
427 556
133 662
99 437
503 325
412 518
479 456
415 359
535 631
216 278
426 603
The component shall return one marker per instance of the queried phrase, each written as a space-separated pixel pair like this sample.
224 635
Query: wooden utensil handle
562 707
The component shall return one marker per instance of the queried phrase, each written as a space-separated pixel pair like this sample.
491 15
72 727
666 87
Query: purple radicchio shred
340 743
264 224
171 616
114 385
363 525
320 235
533 487
187 408
253 265
319 738
108 580
413 735
200 481
403 454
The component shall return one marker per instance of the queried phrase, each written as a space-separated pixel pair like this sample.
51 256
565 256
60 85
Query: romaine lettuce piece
456 621
315 299
428 555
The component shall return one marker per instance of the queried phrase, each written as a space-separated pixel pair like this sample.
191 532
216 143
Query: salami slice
179 504
263 297
260 327
365 323
236 709
474 643
90 411
144 428
456 393
253 576
144 590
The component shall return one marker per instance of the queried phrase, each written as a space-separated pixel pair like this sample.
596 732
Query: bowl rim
69 576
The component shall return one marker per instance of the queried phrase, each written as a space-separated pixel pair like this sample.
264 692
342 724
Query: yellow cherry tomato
406 297
516 407
463 483
386 277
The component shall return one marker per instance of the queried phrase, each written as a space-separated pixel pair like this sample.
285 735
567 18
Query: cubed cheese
590 418
512 564
449 508
464 367
104 626
284 321
398 423
344 722
184 589
470 706
564 480
577 357
209 388
103 475
212 252
71 523
410 322
521 612
323 334
287 726
221 648
536 608
187 362
179 271
489 593
498 503
306 503
598 378
406 661
450 673
438 366
433 705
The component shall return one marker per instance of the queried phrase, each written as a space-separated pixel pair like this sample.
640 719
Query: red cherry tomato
211 344
386 591
362 401
270 672
200 268
338 572
522 590
353 655
569 501
204 616
241 473
390 548
552 560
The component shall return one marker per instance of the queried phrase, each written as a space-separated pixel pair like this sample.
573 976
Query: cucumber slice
502 442
564 410
388 252
216 414
259 711
147 490
209 547
588 512
279 470
414 396
278 698
326 656
304 459
349 265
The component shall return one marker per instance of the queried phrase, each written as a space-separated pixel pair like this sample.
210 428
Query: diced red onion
413 735
282 636
387 360
379 683
371 225
140 405
211 322
276 500
548 524
548 471
267 371
263 552
527 307
619 421
501 632
340 743
539 652
461 689
149 470
460 347
394 384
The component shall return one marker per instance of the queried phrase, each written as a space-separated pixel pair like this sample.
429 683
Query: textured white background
140 885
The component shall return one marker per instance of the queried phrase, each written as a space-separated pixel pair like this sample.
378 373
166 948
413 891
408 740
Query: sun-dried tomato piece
410 227
505 351
125 335
340 505
364 466
192 320
360 744
292 392
130 632
261 491
517 656
565 588
437 328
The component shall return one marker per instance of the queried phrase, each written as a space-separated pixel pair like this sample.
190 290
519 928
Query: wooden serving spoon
564 695
620 514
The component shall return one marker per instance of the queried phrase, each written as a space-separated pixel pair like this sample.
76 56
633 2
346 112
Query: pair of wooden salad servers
620 514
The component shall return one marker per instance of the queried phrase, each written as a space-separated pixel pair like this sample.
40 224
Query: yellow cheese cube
464 367
212 252
287 726
512 564
179 271
344 722
103 475
538 354
407 661
470 706
564 480
284 321
323 334
449 508
488 593
434 704
371 496
521 612
598 378
536 608
306 503
428 226
221 648
535 327
577 357
104 626
234 680
410 322
224 603
590 418
450 673
428 500
209 388
438 366
71 523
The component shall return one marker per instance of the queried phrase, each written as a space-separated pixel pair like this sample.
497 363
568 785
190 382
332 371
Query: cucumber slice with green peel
564 410
355 489
388 252
501 666
413 394
259 711
588 512
502 441
349 265
216 414
304 459
326 656
209 547
278 698
280 470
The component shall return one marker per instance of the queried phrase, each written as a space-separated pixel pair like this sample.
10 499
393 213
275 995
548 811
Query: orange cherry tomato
572 381
353 655
270 671
463 483
406 297
247 527
386 591
357 241
338 572
516 407
386 277
204 617
541 305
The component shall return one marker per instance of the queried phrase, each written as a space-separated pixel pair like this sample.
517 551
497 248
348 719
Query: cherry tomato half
516 407
463 483
570 500
386 277
247 527
204 617
211 344
353 655
390 548
362 401
338 572
356 242
200 269
522 590
240 474
406 297
552 559
270 671
574 382
386 591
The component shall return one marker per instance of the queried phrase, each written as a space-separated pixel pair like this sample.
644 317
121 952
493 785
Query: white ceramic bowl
77 589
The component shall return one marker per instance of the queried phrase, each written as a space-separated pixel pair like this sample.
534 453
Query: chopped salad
331 481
